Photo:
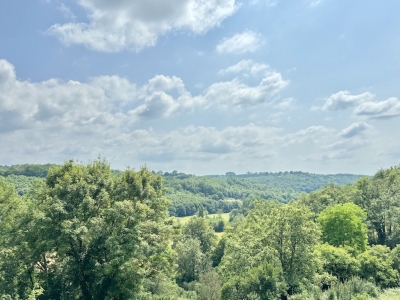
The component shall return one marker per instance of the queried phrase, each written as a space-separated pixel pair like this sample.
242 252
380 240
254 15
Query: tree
376 265
328 195
198 228
91 235
293 234
191 261
264 282
344 225
14 276
209 287
283 235
337 262
380 198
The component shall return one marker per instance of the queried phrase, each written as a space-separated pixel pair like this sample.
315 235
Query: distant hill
188 192
214 192
297 180
29 170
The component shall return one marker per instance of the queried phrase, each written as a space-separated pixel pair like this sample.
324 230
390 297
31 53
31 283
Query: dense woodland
87 232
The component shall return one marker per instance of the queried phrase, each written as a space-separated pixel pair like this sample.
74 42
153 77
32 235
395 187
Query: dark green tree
376 265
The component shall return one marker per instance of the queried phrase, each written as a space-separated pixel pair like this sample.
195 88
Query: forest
78 231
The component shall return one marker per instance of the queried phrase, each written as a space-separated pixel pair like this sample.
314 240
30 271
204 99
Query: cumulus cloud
118 25
379 109
53 120
247 41
239 94
354 129
157 101
115 101
343 100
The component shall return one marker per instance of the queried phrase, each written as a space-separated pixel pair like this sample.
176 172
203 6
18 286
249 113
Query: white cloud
115 101
66 11
241 95
158 103
286 104
248 41
245 65
315 134
343 100
354 129
379 109
133 25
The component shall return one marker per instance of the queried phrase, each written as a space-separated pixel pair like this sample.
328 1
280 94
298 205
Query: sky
202 86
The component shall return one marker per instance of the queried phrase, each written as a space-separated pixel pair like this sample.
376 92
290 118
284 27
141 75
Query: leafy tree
14 275
198 228
344 225
380 198
90 235
283 235
264 282
209 287
337 262
191 261
376 265
293 234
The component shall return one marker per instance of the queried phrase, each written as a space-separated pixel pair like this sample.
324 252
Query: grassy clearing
225 217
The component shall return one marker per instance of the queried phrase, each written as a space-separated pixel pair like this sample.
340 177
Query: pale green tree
344 225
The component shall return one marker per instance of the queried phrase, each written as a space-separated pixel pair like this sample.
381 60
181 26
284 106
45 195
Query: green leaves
283 235
91 235
344 225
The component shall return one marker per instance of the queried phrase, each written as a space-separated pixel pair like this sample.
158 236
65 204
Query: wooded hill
214 192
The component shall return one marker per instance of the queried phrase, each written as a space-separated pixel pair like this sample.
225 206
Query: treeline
300 181
29 170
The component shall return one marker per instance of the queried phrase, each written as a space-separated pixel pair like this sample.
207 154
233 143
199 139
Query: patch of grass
390 294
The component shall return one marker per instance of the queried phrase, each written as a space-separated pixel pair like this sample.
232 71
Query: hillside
214 192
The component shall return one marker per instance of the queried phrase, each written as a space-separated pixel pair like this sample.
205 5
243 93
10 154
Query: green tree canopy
344 225
337 262
90 235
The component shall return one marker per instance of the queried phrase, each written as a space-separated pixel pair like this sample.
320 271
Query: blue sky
202 86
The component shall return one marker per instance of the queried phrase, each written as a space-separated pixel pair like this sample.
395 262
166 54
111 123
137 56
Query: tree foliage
344 225
91 235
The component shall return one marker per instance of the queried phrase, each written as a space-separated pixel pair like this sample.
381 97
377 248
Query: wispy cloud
244 65
354 129
247 41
